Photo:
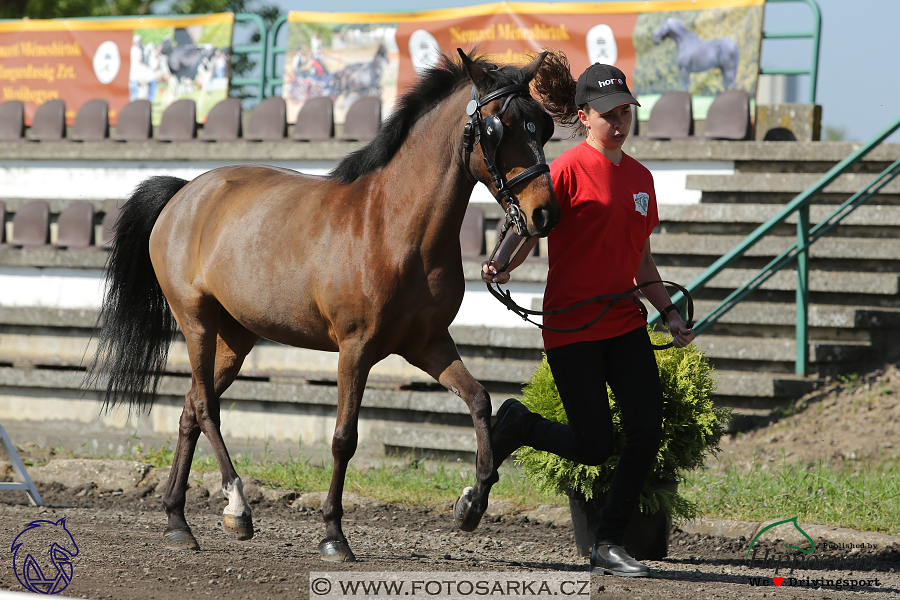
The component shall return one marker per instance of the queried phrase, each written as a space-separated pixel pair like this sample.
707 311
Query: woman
600 246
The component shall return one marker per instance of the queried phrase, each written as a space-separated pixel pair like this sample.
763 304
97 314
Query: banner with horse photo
701 46
160 59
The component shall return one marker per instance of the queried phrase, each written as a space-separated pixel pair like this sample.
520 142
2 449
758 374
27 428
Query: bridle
488 131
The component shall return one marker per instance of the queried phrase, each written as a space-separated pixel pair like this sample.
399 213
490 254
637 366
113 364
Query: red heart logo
778 580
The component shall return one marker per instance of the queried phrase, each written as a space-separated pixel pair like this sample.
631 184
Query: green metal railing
273 81
260 48
806 236
814 34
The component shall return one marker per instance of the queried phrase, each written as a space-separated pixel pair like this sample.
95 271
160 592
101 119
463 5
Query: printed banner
703 46
161 59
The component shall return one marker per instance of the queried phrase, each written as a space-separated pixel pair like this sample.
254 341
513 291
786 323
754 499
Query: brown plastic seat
471 236
179 122
363 119
134 122
268 121
12 121
76 226
31 226
49 123
728 117
2 222
671 118
92 122
223 123
108 231
315 121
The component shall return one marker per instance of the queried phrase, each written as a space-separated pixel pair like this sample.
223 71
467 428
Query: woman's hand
490 273
681 335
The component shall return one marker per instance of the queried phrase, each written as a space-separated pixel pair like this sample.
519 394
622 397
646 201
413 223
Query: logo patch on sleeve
641 202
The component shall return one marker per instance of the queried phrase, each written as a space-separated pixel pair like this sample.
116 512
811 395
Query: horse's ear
532 68
476 72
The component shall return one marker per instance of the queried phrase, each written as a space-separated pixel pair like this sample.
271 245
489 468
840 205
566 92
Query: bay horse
696 55
365 261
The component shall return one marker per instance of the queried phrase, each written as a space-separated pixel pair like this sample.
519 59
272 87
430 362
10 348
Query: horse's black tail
135 323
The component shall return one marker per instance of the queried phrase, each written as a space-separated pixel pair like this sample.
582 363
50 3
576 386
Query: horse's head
509 128
665 29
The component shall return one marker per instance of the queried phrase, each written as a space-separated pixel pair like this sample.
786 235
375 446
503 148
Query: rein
611 300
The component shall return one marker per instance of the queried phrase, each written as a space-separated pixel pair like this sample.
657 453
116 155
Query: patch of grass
857 496
409 481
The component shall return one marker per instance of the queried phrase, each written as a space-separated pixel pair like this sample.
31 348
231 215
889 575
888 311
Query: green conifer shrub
692 428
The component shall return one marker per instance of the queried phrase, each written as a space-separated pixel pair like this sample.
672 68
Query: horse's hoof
239 527
180 539
334 551
466 513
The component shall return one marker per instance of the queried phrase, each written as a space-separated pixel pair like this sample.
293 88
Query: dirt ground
853 419
119 535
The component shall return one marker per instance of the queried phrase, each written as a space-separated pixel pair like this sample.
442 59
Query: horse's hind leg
217 346
441 361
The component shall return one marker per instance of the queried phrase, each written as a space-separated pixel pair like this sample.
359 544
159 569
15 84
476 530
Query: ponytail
555 87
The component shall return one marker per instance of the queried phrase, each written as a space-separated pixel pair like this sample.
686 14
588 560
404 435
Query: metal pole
802 291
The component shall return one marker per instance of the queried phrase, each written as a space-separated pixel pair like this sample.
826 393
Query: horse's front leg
441 360
353 370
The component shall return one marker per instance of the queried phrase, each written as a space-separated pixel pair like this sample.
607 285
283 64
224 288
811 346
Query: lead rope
611 300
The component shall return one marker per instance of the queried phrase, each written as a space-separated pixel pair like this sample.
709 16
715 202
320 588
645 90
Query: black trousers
581 371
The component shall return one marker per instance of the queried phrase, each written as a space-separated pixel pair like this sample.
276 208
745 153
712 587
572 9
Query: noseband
489 132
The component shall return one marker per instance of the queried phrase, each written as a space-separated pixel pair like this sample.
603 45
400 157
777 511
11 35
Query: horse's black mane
432 87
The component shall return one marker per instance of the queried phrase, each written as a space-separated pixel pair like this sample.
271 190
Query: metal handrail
259 48
799 250
815 35
271 81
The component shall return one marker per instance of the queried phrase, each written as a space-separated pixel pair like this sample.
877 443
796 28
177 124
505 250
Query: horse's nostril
539 218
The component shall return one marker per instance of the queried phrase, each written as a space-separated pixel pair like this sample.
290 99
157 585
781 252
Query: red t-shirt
608 212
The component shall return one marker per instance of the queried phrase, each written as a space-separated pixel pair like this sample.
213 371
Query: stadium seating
223 123
671 118
107 229
31 226
134 122
728 117
49 124
179 122
92 122
363 119
75 226
315 121
268 121
12 121
471 236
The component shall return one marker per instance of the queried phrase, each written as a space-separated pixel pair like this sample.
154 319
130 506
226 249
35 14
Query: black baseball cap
603 87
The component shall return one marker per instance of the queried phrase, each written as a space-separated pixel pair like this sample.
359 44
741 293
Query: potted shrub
692 428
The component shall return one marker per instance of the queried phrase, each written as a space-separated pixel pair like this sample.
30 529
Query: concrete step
686 244
761 385
432 441
757 183
837 282
779 349
844 319
868 215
